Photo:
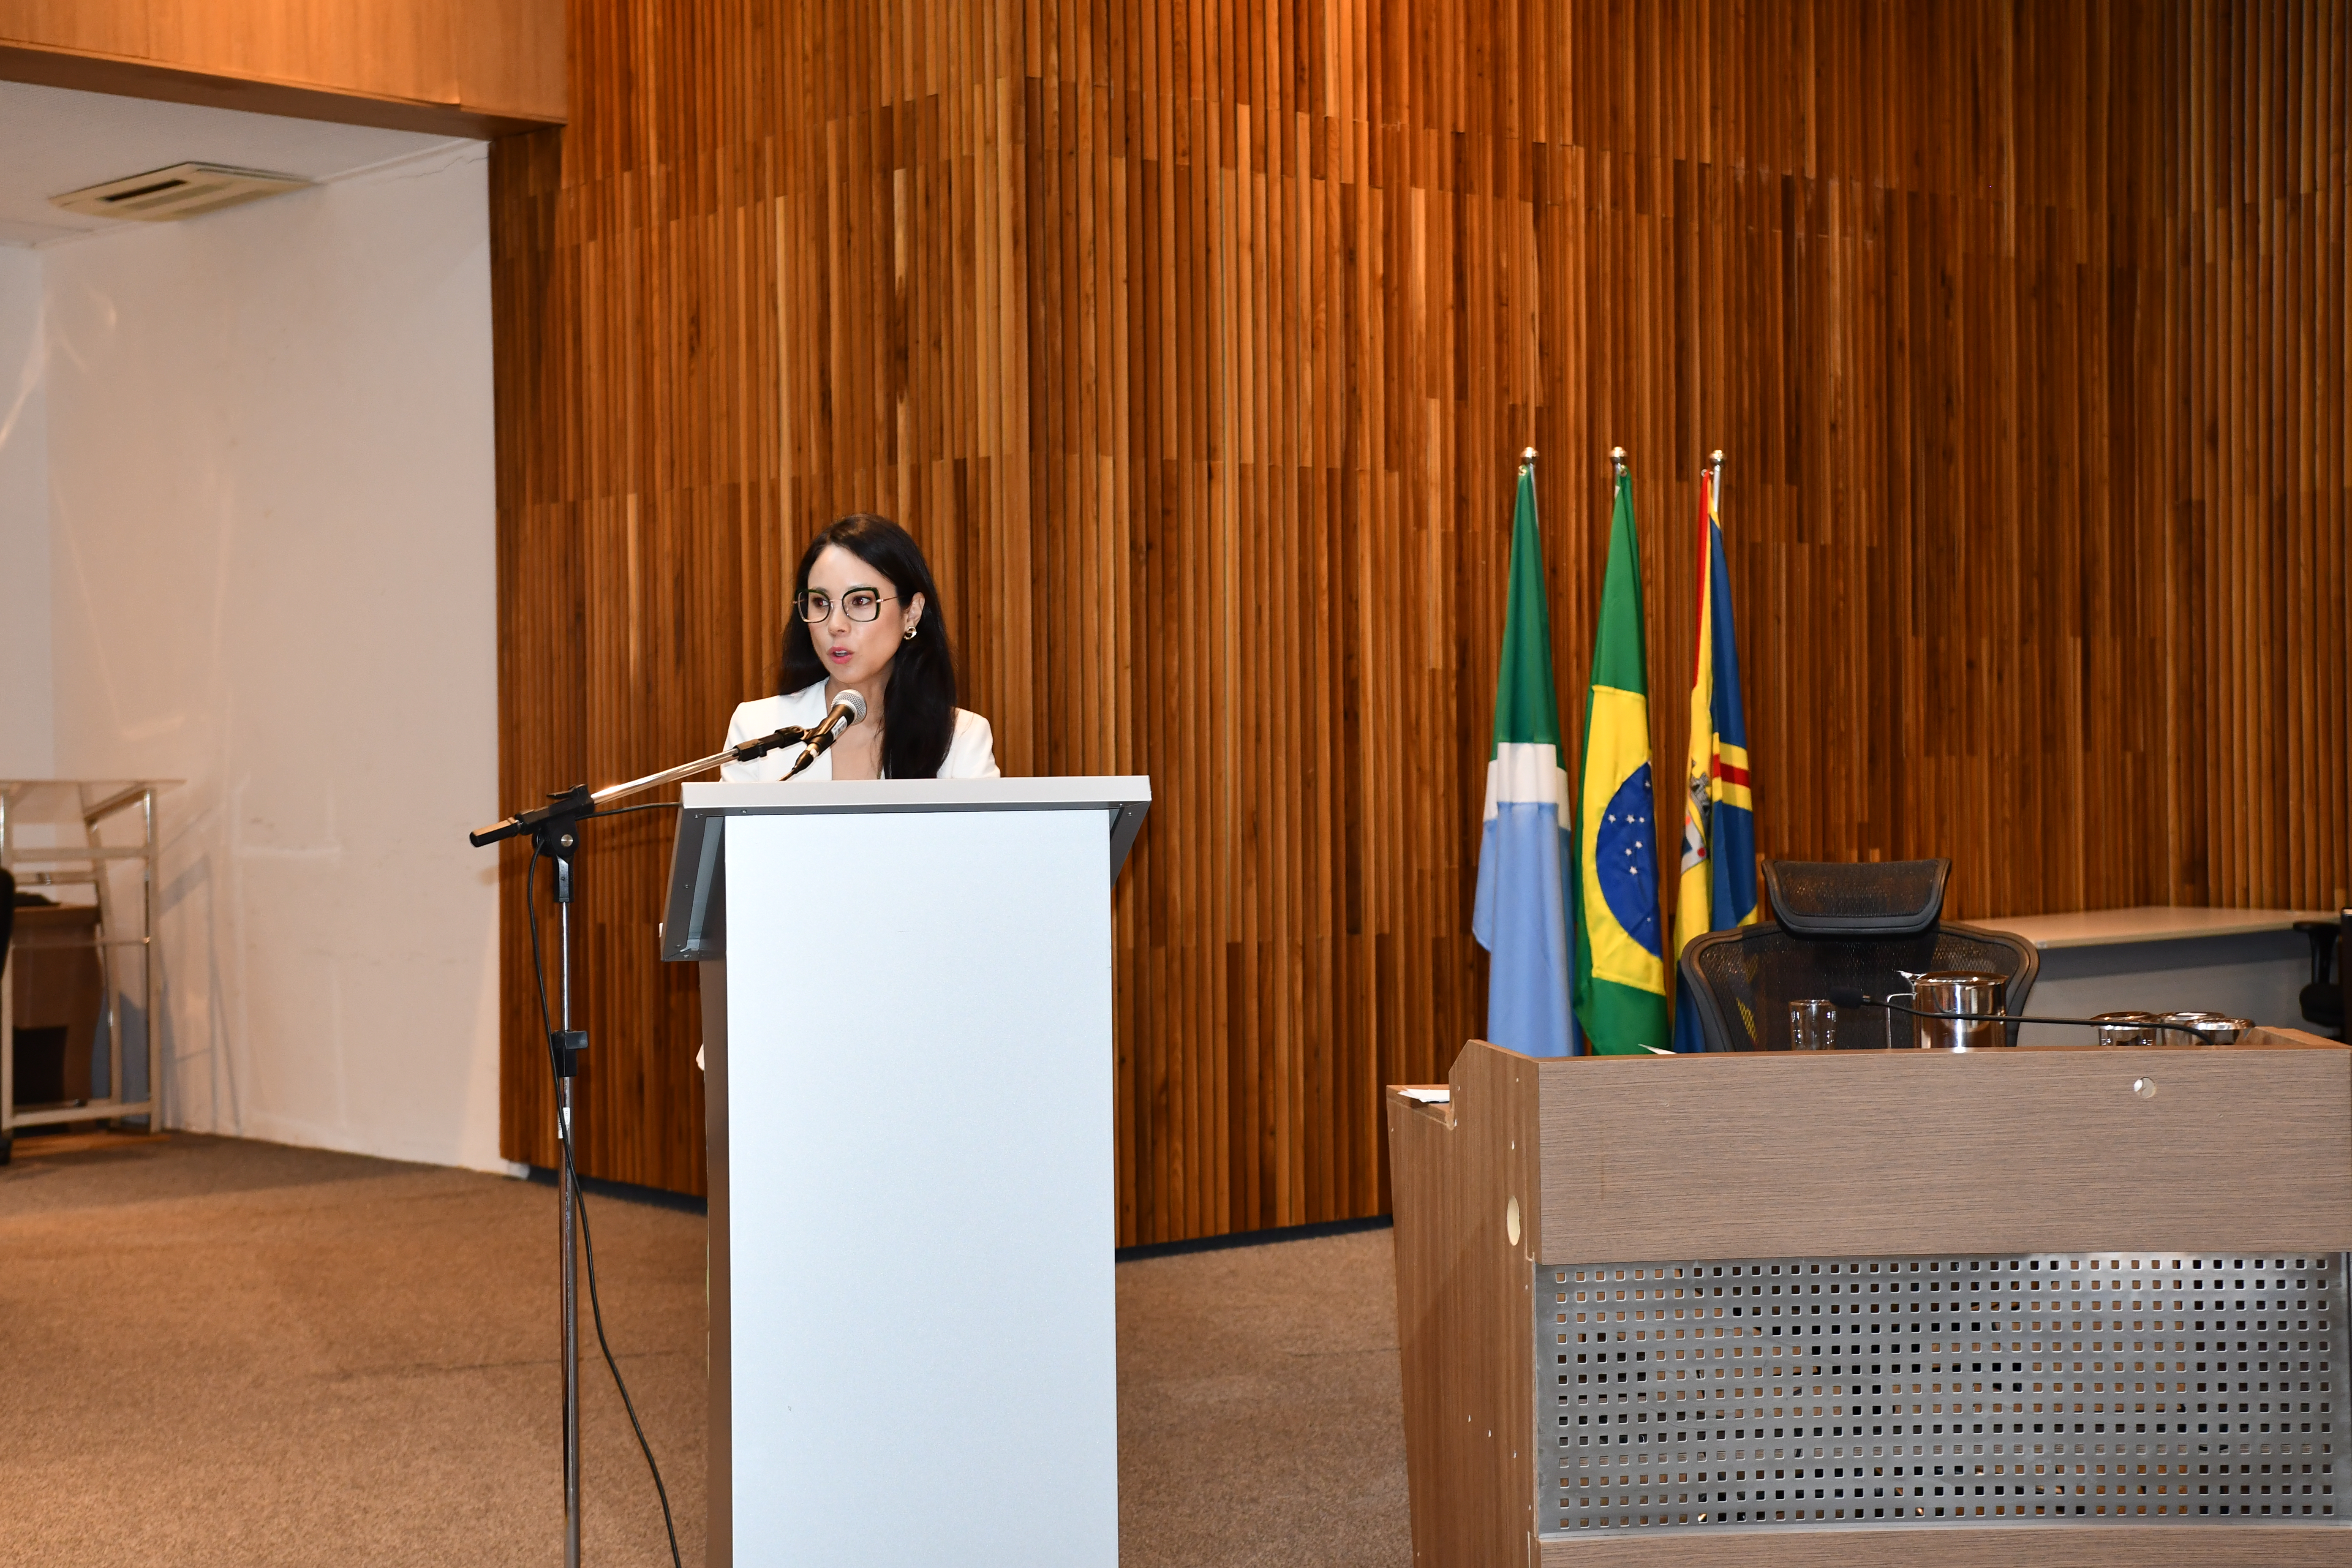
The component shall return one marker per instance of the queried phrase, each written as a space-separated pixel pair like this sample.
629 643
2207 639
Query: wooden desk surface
2148 923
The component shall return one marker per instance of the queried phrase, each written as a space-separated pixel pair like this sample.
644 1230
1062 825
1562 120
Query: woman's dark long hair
919 707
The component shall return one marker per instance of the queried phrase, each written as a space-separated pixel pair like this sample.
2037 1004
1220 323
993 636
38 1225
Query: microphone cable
1845 998
580 1198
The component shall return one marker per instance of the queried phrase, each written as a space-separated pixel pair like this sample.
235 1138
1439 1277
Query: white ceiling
53 141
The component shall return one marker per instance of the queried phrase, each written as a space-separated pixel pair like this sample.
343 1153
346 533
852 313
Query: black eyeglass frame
801 606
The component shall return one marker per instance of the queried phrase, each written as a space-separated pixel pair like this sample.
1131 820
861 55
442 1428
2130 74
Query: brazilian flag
1621 969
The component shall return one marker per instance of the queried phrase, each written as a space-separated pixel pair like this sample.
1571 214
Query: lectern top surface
916 794
695 923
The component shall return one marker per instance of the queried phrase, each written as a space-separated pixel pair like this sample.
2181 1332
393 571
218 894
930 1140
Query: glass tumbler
1812 1026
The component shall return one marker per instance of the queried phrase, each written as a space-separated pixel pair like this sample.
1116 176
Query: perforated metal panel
2088 1388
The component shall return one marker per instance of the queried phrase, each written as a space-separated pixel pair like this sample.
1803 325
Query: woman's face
854 652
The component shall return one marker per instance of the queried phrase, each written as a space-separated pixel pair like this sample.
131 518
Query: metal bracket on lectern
703 932
1124 826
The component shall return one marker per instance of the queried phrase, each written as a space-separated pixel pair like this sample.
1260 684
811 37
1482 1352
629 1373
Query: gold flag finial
1617 459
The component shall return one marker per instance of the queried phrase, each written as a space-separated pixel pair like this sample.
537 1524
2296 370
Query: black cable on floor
580 1205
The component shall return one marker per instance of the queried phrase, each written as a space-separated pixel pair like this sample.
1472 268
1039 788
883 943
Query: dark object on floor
7 922
41 1064
1840 927
58 991
2331 943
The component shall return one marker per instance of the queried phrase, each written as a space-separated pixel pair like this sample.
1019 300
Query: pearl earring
909 635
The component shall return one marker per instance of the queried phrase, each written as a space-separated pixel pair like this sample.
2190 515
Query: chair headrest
1883 898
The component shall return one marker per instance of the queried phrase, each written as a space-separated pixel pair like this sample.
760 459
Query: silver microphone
848 709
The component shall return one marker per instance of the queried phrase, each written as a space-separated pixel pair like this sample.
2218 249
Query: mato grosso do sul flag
1718 866
1621 969
1521 913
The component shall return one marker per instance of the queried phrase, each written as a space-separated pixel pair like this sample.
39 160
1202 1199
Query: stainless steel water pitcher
1958 990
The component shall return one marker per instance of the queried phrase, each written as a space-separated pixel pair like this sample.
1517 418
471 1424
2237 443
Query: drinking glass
1812 1026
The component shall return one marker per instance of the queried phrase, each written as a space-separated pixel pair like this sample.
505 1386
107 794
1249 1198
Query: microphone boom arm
581 801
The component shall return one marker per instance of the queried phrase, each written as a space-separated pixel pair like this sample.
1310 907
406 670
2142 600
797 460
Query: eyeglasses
858 605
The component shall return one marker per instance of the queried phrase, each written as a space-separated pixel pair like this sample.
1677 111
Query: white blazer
971 752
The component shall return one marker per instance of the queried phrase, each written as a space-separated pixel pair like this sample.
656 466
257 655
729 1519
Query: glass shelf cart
90 847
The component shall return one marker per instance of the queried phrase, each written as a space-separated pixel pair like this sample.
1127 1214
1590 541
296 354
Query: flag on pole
1621 971
1521 913
1718 868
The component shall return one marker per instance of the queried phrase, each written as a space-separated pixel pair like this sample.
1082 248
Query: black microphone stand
555 830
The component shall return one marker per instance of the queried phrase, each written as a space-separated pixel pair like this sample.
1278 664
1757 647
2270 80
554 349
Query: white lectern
906 1028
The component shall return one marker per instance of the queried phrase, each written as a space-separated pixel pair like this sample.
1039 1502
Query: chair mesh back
1752 974
1887 897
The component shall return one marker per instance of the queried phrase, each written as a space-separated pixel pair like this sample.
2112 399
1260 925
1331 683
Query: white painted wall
271 521
27 745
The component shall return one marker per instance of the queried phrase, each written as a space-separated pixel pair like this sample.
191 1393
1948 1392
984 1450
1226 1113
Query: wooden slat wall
461 67
1197 343
2256 487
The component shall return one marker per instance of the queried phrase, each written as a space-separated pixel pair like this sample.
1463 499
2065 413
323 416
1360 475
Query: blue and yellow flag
1718 868
1621 969
1521 913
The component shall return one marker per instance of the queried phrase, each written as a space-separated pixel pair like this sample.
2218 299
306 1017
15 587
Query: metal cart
67 834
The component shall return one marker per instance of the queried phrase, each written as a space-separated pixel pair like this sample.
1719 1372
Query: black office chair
2331 944
1841 927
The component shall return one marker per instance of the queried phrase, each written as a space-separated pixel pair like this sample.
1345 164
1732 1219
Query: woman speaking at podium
867 618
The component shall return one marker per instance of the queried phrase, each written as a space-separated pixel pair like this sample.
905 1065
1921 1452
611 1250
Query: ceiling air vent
184 190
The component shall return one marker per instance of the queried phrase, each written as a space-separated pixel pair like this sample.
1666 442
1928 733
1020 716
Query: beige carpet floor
1260 1417
220 1352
